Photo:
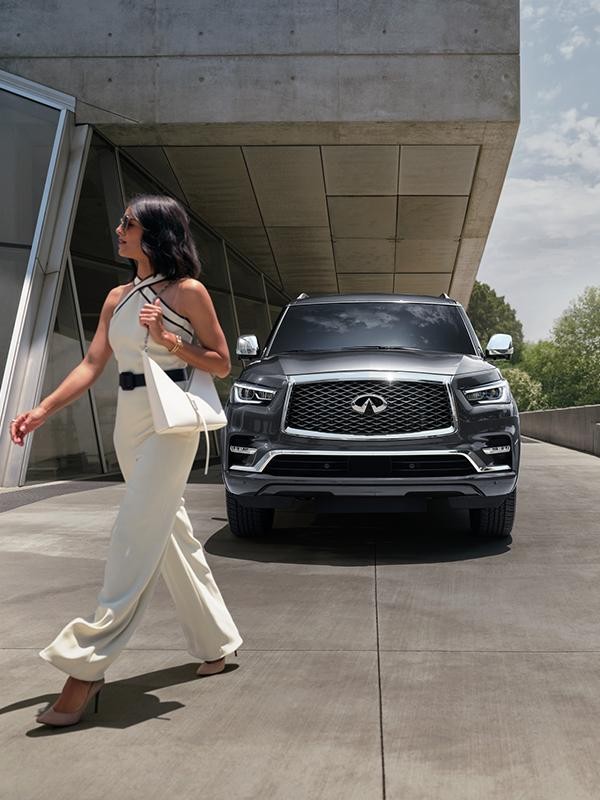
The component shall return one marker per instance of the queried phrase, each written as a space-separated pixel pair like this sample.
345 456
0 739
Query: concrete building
319 146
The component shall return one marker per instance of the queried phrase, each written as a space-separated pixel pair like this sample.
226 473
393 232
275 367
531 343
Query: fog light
490 451
246 451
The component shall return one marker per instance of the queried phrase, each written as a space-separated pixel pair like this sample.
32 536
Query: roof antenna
302 296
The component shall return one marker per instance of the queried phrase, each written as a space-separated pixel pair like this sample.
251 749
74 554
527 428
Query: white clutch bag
175 410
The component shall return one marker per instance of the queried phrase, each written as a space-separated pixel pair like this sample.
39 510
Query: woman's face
129 232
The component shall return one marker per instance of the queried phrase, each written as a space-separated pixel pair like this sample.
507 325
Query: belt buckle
127 381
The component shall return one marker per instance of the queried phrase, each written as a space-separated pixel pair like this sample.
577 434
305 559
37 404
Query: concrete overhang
342 146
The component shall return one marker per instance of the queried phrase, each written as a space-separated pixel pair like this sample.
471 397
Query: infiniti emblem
369 404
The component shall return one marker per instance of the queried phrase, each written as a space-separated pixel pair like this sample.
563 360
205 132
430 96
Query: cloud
547 59
548 95
575 40
543 248
572 141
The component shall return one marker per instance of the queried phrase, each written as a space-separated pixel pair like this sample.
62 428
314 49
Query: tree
568 366
527 392
491 314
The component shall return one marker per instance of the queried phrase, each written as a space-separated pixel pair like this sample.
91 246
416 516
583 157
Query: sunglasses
126 221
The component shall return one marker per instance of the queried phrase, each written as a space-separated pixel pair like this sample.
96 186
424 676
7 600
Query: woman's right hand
25 423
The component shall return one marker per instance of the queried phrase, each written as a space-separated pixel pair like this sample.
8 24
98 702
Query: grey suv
371 403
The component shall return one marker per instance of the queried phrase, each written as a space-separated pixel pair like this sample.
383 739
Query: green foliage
527 392
568 366
491 314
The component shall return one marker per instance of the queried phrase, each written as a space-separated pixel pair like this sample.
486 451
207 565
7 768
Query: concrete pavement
384 656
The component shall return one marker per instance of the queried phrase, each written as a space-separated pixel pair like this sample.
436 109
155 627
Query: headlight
497 392
251 393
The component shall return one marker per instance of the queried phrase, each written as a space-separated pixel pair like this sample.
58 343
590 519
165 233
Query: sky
544 245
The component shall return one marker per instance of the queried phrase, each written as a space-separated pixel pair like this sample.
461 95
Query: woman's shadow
125 702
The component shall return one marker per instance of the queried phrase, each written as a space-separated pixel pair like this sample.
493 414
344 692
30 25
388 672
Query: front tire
245 521
495 523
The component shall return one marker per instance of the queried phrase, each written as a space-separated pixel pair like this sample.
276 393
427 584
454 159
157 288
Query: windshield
339 326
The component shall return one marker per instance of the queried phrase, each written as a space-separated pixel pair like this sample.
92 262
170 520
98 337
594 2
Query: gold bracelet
177 346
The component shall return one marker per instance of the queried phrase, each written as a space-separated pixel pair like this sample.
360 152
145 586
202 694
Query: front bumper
479 490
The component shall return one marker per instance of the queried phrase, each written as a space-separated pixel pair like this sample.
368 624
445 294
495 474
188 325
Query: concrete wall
206 61
578 427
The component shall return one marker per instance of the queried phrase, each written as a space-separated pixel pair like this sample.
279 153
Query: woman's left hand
152 317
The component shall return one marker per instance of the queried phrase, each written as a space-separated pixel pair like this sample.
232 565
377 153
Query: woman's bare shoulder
191 289
116 294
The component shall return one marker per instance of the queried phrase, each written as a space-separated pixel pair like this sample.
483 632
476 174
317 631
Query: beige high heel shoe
212 667
63 718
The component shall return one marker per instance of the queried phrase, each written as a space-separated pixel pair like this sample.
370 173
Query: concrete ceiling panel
311 282
431 217
288 182
432 284
302 251
216 183
366 282
362 217
437 169
364 255
361 170
425 255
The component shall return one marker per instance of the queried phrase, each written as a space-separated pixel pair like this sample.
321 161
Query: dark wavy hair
166 238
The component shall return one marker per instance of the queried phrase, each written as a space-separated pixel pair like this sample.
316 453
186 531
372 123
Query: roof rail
302 296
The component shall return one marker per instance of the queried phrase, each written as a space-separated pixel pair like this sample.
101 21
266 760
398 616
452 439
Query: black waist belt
129 380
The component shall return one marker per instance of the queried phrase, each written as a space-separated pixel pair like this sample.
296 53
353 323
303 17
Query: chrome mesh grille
412 407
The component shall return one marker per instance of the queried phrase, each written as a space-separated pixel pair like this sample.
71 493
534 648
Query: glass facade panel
66 445
277 301
75 441
26 138
223 307
249 298
155 160
212 258
13 265
100 206
94 281
137 182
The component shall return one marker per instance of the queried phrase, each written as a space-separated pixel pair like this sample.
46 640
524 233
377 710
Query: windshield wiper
377 347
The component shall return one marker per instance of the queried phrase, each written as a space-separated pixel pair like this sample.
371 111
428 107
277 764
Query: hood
450 364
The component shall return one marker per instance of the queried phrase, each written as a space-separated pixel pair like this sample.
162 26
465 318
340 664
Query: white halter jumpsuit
152 533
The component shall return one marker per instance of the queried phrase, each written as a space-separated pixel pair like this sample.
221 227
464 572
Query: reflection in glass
155 160
212 258
135 181
100 206
277 301
252 317
65 446
246 281
26 138
371 324
13 265
249 298
222 304
94 281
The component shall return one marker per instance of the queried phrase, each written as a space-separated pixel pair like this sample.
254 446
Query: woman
152 533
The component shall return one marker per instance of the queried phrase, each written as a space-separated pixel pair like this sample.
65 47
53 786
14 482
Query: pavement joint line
383 790
340 650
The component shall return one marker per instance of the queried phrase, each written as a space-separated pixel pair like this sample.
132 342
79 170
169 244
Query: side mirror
247 346
499 346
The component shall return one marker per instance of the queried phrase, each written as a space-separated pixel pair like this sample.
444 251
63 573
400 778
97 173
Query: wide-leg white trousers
152 535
